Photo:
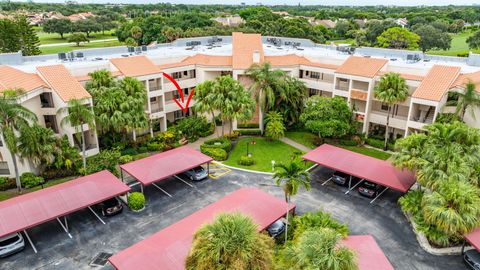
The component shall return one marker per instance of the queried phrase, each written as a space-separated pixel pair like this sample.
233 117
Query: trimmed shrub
254 132
140 156
215 153
105 160
246 161
248 125
233 135
348 142
7 183
375 143
222 143
30 180
129 152
54 173
142 149
207 132
125 159
136 201
155 146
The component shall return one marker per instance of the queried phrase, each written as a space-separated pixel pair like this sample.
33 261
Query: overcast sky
289 2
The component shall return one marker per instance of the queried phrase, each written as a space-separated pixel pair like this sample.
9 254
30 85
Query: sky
288 2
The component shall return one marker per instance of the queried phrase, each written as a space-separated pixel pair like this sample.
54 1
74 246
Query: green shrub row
222 143
348 142
7 183
215 153
248 125
245 132
30 180
246 161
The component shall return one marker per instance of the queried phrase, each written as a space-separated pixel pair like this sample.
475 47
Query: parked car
11 244
196 174
111 207
369 189
340 178
277 228
472 259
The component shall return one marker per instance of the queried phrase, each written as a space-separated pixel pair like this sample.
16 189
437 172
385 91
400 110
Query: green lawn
263 152
5 195
459 45
68 48
52 38
306 138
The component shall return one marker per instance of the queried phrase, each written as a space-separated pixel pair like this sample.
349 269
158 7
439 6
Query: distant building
232 20
403 22
80 16
327 23
281 13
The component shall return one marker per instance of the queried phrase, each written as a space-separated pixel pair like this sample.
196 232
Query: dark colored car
111 207
340 178
196 174
11 244
277 228
369 189
472 259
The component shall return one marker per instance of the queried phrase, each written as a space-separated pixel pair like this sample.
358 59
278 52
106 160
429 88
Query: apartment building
325 72
44 93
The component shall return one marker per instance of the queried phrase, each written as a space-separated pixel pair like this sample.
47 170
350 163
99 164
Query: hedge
125 159
215 153
250 132
136 201
30 180
375 143
246 161
7 183
348 142
248 125
222 143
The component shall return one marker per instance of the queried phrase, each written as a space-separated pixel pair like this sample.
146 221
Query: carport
153 169
26 211
369 254
474 239
168 248
364 167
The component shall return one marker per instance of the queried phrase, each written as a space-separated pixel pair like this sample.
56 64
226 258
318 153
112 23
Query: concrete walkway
295 144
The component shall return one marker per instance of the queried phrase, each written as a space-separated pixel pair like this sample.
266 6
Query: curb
423 241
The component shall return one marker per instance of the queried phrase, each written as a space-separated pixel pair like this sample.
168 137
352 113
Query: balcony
153 88
422 114
396 121
358 94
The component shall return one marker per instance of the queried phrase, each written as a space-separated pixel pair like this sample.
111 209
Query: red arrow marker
180 91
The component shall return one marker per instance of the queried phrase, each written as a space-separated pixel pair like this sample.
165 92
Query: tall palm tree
204 103
291 99
291 176
470 98
38 144
100 78
320 249
391 89
266 83
232 241
77 114
13 118
134 106
274 128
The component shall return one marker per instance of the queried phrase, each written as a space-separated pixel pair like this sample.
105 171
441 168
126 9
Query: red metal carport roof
168 248
369 254
362 166
163 165
37 207
474 238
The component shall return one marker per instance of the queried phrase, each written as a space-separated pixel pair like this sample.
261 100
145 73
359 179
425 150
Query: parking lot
383 219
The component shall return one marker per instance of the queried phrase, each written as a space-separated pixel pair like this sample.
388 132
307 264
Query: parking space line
217 171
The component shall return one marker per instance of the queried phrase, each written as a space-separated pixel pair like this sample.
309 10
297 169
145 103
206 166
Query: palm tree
391 89
274 128
291 99
38 144
100 78
292 176
320 249
204 102
78 114
13 118
232 241
266 84
454 208
134 106
469 98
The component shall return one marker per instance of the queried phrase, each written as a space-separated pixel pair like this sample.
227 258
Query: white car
11 244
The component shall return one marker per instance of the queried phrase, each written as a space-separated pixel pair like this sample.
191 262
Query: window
185 73
46 100
51 122
4 168
314 92
316 75
301 74
177 75
384 107
153 99
185 91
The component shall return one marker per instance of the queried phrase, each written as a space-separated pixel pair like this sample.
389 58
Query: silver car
11 244
196 174
277 228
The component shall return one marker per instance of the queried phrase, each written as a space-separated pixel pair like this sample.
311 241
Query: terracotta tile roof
243 47
14 78
468 77
362 66
87 77
200 59
62 82
293 59
437 82
406 76
135 66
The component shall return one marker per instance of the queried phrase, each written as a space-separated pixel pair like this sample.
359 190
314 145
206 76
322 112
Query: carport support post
30 241
208 168
65 227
